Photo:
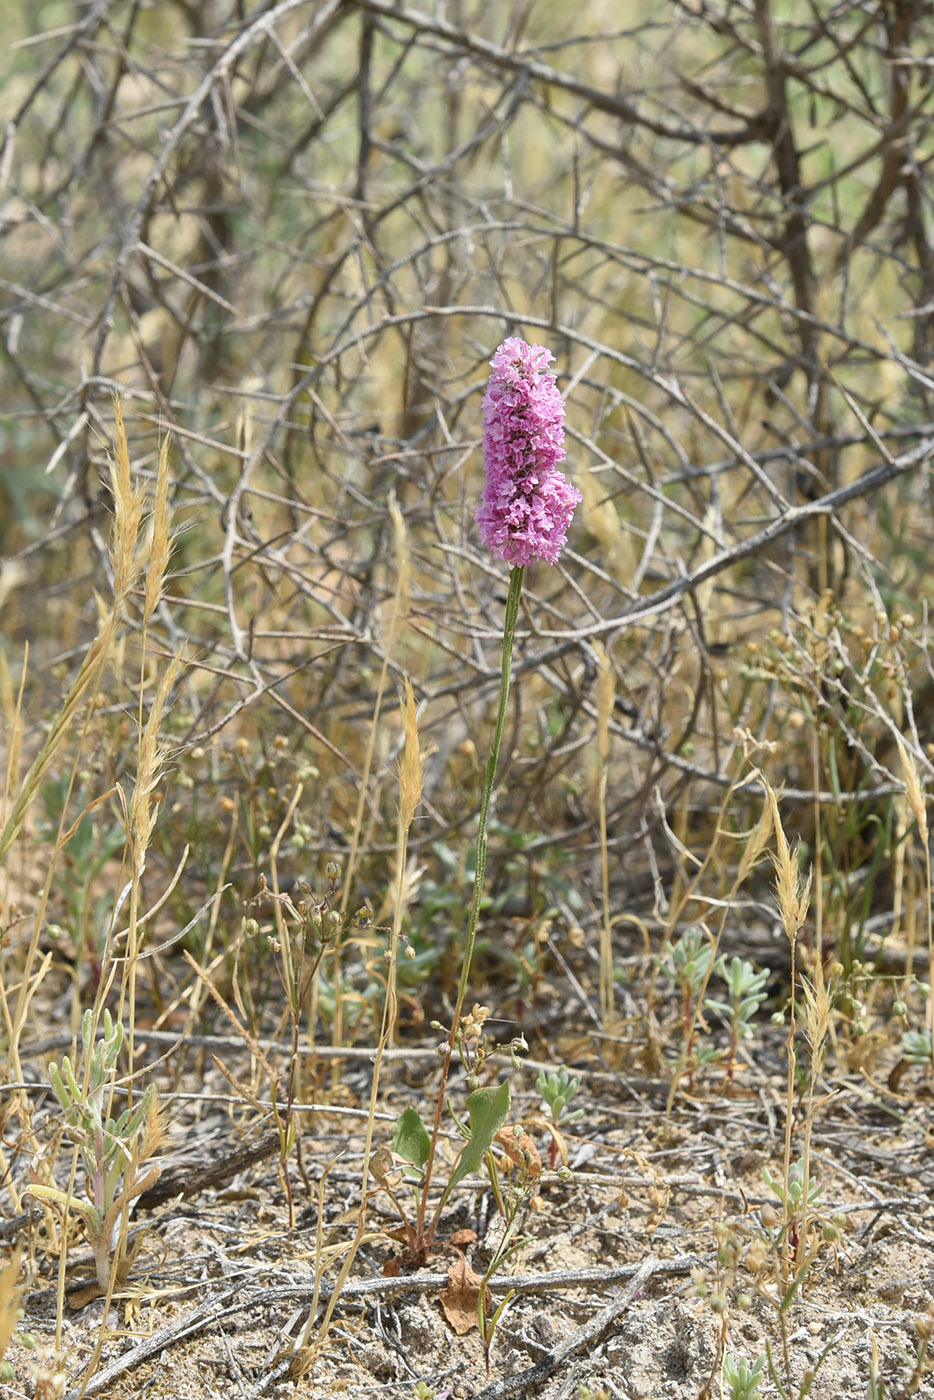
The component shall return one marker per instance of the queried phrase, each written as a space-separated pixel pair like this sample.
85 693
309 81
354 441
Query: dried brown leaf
459 1299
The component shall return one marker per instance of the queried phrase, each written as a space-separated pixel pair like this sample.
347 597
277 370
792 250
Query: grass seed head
794 892
915 791
129 506
152 757
161 543
412 768
756 844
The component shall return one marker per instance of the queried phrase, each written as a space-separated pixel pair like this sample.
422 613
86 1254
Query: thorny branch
293 237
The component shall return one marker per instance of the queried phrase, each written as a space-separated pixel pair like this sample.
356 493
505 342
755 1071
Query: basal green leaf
411 1139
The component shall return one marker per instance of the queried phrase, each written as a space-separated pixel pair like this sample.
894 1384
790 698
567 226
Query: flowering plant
527 504
524 515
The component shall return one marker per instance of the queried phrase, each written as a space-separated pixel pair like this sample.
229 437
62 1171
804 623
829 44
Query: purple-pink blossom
527 504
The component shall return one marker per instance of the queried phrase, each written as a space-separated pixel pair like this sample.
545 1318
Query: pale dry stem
918 804
397 621
606 696
793 894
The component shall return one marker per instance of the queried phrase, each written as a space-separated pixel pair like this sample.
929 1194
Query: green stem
509 636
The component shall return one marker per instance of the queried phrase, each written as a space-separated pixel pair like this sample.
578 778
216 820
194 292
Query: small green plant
804 1228
918 1047
688 961
746 993
741 1379
115 1152
791 1192
796 1197
407 1164
423 1391
557 1089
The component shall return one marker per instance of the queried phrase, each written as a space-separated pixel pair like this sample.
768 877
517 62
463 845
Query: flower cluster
527 504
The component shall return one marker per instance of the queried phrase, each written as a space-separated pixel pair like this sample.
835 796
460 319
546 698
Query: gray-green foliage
557 1089
791 1192
917 1047
688 960
745 994
741 1379
114 1150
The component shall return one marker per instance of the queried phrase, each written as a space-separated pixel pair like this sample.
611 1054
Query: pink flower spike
527 503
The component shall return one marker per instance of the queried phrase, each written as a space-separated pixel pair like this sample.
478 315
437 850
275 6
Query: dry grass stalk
411 786
83 689
129 510
793 895
141 820
81 698
916 799
397 620
151 763
160 548
11 708
151 754
606 697
128 514
756 843
412 767
918 804
818 1009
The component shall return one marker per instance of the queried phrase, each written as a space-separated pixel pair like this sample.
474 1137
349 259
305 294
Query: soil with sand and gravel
635 1272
